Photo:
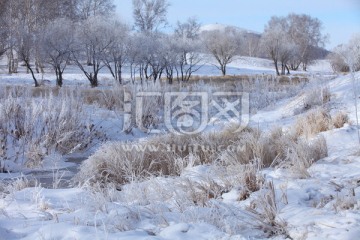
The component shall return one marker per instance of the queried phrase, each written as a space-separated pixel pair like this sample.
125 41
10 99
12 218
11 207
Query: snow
222 27
324 206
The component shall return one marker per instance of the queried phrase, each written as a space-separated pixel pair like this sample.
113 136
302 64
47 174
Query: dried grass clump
120 163
112 99
300 154
265 210
246 178
316 121
340 119
249 145
316 97
319 120
170 154
31 128
277 148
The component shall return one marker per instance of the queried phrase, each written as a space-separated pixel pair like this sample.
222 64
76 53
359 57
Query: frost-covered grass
33 127
290 174
168 155
319 120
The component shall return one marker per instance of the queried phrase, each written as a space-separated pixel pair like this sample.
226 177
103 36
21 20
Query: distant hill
218 26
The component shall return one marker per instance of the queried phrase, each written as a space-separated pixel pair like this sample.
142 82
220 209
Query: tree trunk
282 69
93 80
304 66
276 68
287 69
223 69
59 77
38 66
10 56
119 73
28 66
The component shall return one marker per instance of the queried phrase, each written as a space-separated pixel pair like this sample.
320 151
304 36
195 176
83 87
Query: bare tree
119 51
187 48
57 43
305 32
3 28
171 58
223 45
152 54
26 48
251 43
97 35
292 40
93 8
13 21
276 42
134 55
149 15
187 31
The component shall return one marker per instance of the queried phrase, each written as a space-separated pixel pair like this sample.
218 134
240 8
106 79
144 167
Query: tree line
87 33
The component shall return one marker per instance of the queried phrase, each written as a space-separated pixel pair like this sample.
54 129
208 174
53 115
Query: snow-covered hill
222 27
324 203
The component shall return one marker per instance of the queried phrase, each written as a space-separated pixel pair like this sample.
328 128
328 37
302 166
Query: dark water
60 178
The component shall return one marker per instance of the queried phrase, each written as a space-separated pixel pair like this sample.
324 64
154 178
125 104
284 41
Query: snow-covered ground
326 205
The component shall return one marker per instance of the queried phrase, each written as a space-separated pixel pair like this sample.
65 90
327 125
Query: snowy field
310 189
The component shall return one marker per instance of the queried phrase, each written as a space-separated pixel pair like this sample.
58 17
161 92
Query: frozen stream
63 175
57 178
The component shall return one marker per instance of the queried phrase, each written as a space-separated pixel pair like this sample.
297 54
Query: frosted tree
26 47
172 56
57 44
152 55
276 43
97 35
119 51
146 55
3 28
305 32
350 54
251 43
14 20
223 45
149 15
187 48
92 8
187 32
31 16
292 41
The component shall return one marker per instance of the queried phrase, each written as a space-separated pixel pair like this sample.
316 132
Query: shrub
169 154
337 63
314 122
31 128
266 211
339 119
316 97
319 120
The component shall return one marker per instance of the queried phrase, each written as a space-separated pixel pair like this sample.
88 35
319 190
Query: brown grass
170 154
339 119
107 98
319 120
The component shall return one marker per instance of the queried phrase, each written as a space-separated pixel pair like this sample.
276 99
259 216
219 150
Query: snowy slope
324 206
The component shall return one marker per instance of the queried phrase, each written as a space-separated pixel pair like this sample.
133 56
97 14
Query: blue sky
341 18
